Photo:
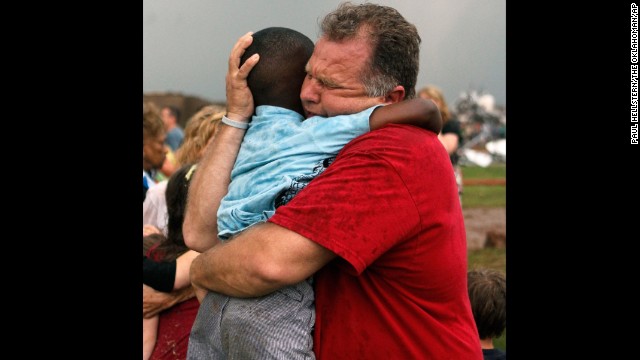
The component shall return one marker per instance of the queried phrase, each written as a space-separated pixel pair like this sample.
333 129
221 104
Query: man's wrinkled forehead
337 57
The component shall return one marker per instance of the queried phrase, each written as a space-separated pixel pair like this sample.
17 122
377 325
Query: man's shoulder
399 144
400 134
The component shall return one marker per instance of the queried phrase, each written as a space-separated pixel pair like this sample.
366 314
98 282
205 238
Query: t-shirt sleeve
154 207
159 275
331 134
358 208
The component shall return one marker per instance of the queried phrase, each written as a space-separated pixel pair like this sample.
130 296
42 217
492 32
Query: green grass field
486 196
494 171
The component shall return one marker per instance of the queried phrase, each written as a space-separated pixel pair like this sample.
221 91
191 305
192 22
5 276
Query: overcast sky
186 43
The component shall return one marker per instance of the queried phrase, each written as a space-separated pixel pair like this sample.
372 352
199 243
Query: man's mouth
309 114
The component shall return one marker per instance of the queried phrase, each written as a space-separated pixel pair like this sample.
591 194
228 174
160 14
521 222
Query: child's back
277 325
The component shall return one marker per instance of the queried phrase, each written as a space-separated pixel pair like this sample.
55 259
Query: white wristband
235 124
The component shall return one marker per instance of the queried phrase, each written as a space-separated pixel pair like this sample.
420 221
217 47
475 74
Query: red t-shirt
174 325
388 207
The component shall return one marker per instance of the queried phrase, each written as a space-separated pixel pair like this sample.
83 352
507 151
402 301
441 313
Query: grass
491 258
483 195
486 196
494 171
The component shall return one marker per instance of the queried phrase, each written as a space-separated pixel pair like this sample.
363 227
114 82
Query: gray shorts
275 326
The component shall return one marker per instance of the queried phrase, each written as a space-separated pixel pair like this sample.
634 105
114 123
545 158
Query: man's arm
420 112
258 261
211 180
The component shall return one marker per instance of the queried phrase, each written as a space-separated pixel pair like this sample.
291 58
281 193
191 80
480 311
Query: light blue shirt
279 155
174 138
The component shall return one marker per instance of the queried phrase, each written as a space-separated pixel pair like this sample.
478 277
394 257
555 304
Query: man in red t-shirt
382 226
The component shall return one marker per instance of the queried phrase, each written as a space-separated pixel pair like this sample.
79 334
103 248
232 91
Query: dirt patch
482 221
485 182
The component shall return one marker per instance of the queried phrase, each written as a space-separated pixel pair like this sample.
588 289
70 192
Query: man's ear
396 95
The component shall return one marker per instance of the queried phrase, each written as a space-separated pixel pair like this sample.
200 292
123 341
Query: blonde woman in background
451 134
200 129
198 133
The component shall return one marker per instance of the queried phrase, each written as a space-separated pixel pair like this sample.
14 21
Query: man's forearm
211 181
258 261
208 187
220 269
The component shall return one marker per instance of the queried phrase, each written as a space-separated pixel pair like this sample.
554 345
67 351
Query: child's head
176 197
277 78
488 296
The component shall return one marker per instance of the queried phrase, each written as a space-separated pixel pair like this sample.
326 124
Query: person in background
170 117
153 150
200 129
166 283
175 135
451 135
173 325
488 295
381 228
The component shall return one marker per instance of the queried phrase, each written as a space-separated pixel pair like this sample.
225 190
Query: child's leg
275 326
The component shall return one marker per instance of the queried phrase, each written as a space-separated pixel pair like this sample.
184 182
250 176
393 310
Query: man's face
166 116
154 152
332 85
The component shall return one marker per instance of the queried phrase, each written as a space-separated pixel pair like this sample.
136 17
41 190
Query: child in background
488 296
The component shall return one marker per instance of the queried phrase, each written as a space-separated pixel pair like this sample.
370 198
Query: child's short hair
488 296
280 71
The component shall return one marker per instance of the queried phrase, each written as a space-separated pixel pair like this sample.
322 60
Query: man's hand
153 302
239 98
259 260
211 182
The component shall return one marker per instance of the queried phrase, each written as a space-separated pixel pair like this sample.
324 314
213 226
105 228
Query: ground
482 221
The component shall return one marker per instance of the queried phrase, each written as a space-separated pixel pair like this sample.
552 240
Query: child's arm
149 336
418 112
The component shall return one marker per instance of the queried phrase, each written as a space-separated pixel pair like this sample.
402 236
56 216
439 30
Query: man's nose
310 91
